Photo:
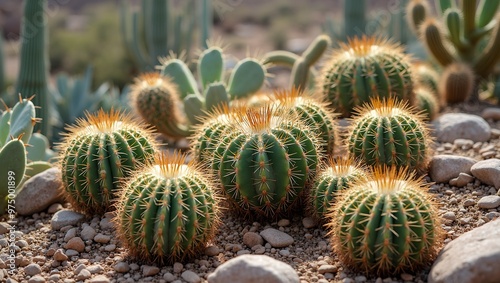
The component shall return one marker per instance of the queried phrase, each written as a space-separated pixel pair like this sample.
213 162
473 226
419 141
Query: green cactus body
457 83
18 121
426 102
264 161
12 169
364 69
386 224
38 149
389 133
334 177
427 76
168 211
156 99
313 113
97 153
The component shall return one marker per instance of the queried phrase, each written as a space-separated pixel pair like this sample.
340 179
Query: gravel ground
90 252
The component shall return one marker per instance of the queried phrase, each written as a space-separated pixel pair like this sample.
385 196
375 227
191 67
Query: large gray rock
451 126
471 258
39 192
443 168
488 171
254 269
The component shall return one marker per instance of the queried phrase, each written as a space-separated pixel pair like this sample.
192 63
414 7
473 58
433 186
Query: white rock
64 218
327 268
451 126
489 202
488 171
4 227
252 239
178 267
276 238
95 268
190 276
70 234
254 268
472 257
35 279
39 192
83 274
491 113
443 168
106 224
450 215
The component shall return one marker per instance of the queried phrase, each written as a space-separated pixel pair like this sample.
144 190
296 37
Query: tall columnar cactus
34 69
426 102
97 153
245 79
156 99
457 83
354 18
303 73
168 210
471 36
363 69
386 224
313 112
335 176
386 132
159 29
265 161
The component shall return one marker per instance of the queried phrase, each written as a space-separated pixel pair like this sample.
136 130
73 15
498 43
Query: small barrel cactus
335 176
363 69
391 133
426 102
313 112
97 153
426 76
457 83
385 224
167 211
156 99
265 161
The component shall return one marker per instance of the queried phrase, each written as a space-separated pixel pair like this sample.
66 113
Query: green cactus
34 69
159 29
303 73
2 65
12 169
39 149
426 102
18 121
472 34
97 153
168 211
386 224
264 161
363 69
386 132
314 113
335 176
456 83
354 18
427 76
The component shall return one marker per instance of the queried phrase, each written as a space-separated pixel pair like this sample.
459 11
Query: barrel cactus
386 224
264 161
427 76
97 153
426 102
313 112
156 99
167 211
457 83
391 133
366 68
335 176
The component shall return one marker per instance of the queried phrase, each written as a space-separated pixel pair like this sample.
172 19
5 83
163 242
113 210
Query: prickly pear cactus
365 68
385 132
385 225
168 211
156 99
313 112
335 176
97 153
12 169
265 161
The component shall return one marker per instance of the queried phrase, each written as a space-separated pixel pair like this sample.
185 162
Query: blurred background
88 33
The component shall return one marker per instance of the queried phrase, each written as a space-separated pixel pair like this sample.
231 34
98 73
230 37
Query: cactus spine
335 176
97 153
303 72
457 83
34 69
460 34
386 224
156 100
386 132
167 211
365 68
265 161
